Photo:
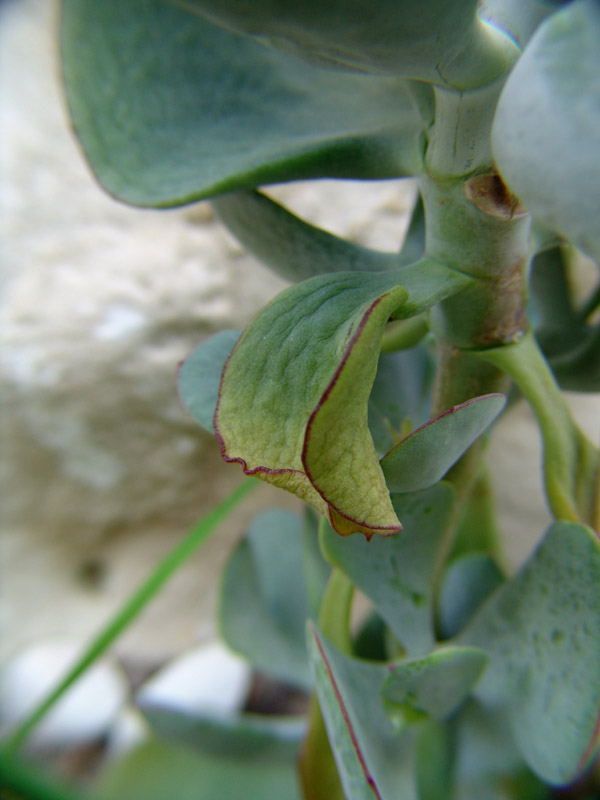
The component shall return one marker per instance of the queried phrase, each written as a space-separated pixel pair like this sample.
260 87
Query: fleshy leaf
288 245
396 573
200 375
293 400
373 762
185 109
153 770
541 631
546 133
443 41
424 457
244 736
433 686
467 582
400 392
264 601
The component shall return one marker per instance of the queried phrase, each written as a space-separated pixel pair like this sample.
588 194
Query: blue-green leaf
400 393
433 686
397 573
443 41
541 631
546 133
157 770
170 108
467 582
200 375
372 761
264 597
424 457
288 245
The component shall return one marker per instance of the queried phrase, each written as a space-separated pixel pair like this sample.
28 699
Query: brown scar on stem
492 196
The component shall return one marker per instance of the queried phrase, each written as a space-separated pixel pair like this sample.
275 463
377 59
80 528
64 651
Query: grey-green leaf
424 457
288 245
400 392
373 762
546 133
264 599
396 573
170 108
541 631
433 686
157 770
260 737
467 582
443 41
200 375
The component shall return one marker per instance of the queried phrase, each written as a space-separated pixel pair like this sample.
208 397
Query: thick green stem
403 334
474 225
317 767
571 462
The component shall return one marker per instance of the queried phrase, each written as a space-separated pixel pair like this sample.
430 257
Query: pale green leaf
467 582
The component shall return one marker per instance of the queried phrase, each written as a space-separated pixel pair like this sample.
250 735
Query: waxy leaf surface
265 598
433 686
170 108
546 133
200 376
400 392
467 582
424 457
293 399
541 631
374 763
263 737
152 770
443 41
397 573
288 245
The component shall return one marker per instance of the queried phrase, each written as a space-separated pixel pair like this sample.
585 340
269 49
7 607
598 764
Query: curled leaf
293 399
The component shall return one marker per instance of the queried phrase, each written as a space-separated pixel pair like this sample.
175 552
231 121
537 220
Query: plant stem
403 334
571 462
317 767
130 610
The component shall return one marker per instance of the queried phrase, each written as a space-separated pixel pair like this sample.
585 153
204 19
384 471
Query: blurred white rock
208 680
84 713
